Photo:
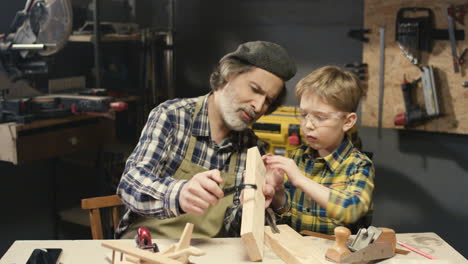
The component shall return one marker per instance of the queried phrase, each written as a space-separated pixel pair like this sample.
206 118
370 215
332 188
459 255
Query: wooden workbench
229 250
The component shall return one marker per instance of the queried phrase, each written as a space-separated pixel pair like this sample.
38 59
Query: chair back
94 205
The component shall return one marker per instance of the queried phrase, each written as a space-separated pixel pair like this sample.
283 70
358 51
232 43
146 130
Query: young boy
330 182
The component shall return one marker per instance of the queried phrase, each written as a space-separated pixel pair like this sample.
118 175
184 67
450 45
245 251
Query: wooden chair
96 203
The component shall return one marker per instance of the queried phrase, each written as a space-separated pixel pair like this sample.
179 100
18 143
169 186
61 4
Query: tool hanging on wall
415 32
455 14
360 69
381 79
359 34
414 114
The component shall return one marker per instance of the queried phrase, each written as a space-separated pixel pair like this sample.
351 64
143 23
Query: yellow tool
281 130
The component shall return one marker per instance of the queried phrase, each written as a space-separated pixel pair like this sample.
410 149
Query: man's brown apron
208 224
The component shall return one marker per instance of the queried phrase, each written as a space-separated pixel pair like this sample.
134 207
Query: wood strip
185 238
291 247
315 234
139 253
253 211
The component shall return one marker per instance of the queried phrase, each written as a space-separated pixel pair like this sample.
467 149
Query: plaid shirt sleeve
146 186
348 204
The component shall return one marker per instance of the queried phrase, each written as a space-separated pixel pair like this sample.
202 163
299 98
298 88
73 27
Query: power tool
414 114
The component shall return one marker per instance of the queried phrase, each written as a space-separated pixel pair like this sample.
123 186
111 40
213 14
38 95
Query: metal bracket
364 237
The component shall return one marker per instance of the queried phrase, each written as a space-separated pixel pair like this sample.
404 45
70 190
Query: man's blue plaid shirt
147 186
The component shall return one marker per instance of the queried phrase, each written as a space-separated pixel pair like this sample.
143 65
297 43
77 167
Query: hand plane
369 244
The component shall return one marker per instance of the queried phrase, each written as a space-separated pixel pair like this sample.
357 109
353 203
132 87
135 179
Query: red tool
143 240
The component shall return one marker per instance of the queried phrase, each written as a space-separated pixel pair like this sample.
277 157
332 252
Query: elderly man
190 149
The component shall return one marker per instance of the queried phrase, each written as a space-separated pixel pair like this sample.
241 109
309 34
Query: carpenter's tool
453 41
360 69
414 115
364 237
359 34
458 12
271 220
330 237
381 245
238 188
143 240
414 31
381 78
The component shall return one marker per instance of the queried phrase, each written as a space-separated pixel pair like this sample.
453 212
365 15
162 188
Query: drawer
23 143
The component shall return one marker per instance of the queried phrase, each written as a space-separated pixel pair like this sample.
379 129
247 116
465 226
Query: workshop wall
450 92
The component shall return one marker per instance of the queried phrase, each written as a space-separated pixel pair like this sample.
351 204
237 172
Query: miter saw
39 30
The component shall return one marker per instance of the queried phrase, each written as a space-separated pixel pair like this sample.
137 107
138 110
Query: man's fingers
206 194
213 188
191 209
215 175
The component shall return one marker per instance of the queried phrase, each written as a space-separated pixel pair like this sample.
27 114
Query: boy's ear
349 122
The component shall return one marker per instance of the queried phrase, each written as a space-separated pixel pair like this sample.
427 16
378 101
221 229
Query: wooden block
375 251
185 238
141 254
388 235
253 212
291 247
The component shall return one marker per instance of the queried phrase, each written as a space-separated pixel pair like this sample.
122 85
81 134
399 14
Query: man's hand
200 192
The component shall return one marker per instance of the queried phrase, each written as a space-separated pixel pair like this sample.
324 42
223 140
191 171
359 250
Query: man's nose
258 103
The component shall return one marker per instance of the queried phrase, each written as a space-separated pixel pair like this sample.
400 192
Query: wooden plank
291 247
138 253
253 211
452 96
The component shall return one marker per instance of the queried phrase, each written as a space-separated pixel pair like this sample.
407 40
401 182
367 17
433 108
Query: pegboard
452 96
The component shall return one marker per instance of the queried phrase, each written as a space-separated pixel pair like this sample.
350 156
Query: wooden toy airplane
382 245
177 253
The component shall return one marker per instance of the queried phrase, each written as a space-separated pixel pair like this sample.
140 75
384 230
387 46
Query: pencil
415 250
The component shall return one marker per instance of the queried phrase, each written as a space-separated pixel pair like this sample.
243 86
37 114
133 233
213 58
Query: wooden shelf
104 38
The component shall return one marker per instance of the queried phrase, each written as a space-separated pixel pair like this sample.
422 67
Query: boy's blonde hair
340 88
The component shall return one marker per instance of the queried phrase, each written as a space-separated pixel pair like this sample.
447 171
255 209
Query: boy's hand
201 191
285 165
274 176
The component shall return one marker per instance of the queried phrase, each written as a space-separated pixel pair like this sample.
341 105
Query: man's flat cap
266 55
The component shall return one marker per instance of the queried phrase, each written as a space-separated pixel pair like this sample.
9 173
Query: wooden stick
253 209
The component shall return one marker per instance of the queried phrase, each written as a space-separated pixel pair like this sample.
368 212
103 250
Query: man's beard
230 112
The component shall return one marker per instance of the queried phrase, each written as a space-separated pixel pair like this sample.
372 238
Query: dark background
421 177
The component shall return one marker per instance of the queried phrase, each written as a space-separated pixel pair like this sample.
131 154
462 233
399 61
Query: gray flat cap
266 55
